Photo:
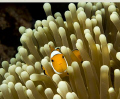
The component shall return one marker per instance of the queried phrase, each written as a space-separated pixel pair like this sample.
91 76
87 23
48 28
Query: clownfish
58 61
77 54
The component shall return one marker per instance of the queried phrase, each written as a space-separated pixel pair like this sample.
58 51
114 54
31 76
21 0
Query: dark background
14 15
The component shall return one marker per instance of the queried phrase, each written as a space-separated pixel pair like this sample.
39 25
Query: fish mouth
60 64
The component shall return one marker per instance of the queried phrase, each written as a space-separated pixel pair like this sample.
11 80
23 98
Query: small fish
57 60
77 54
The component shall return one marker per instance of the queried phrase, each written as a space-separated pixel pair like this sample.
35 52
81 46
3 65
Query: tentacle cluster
93 29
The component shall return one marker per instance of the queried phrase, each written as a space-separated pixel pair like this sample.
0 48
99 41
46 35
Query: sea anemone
93 29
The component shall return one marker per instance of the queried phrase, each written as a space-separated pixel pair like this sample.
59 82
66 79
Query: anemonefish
77 54
58 61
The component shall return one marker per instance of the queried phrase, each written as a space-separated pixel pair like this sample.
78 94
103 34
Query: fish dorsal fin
51 48
57 49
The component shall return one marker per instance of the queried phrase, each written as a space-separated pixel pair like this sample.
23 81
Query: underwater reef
75 58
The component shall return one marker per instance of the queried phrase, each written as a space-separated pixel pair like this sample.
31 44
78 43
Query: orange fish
77 54
57 60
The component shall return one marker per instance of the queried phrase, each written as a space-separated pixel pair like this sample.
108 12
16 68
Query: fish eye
62 56
52 60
